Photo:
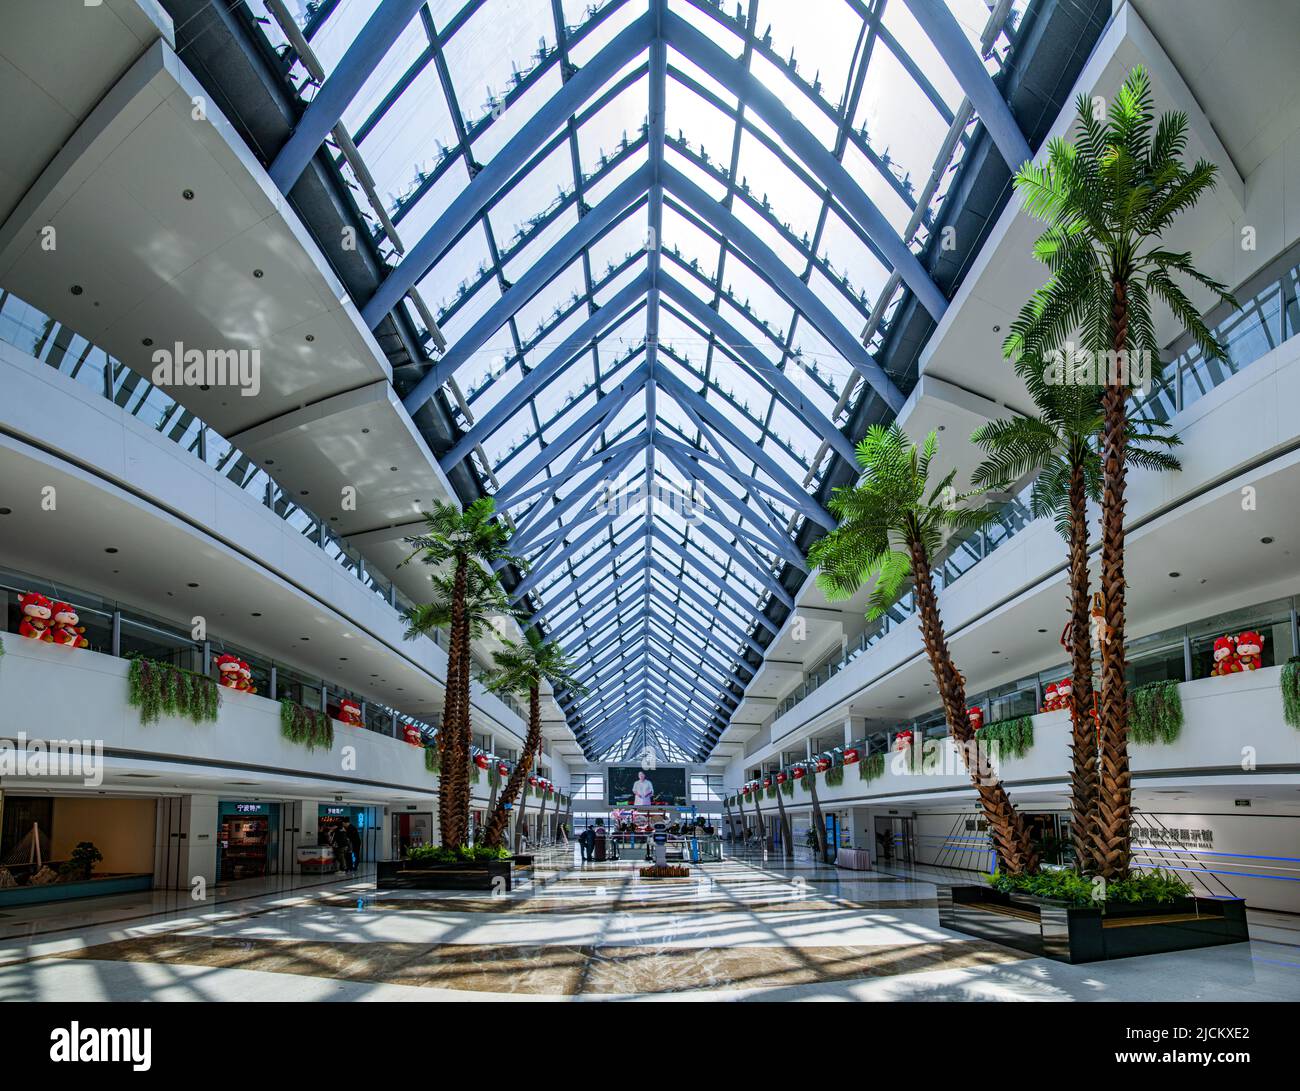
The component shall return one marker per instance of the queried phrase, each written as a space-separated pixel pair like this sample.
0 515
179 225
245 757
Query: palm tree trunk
787 849
1114 797
449 801
465 734
496 827
819 822
1083 732
760 833
1010 834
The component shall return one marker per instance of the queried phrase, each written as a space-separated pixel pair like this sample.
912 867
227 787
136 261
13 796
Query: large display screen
632 786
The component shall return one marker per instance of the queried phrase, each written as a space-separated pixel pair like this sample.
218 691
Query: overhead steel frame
653 33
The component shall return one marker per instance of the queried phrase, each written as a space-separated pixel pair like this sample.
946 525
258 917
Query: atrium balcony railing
1268 315
35 333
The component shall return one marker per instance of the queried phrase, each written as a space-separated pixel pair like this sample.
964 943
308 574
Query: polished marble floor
743 928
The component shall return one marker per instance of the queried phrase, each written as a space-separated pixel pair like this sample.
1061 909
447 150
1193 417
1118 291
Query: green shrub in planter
788 787
805 782
306 726
81 862
1148 887
431 762
834 775
1291 691
1014 737
1155 713
159 689
461 854
872 767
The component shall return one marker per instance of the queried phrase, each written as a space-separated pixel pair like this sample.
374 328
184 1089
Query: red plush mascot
902 740
1250 650
1051 702
246 678
1065 694
1225 657
66 631
228 671
976 717
350 712
37 611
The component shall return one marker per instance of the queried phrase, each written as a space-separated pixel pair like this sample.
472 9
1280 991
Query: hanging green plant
306 726
835 775
871 767
1155 713
1013 737
159 689
805 781
1291 691
788 787
431 762
494 778
475 774
771 791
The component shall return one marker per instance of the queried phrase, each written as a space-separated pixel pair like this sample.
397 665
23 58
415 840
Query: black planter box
419 875
1068 933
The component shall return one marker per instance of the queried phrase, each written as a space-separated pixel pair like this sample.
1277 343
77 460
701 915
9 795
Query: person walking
354 845
587 839
342 849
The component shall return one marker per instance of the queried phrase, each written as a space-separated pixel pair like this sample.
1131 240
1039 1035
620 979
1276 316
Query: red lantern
850 755
780 778
976 717
503 768
823 764
481 761
798 772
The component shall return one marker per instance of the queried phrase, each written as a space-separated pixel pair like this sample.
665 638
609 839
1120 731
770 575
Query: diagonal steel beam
721 66
957 53
381 30
626 45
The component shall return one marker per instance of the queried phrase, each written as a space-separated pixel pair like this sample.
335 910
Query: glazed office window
589 786
1272 620
1155 658
706 786
153 639
1009 701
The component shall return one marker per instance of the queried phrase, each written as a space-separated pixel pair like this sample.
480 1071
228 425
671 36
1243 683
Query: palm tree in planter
891 525
521 668
1108 199
1059 445
469 543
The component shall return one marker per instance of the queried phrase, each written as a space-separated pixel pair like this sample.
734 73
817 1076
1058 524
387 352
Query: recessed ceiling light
270 462
188 194
6 511
258 274
76 289
1266 541
311 337
996 651
1174 575
343 658
191 585
304 638
110 549
393 468
1042 630
365 431
256 614
146 341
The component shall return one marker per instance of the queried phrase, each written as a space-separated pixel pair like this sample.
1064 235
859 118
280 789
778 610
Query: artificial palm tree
1108 199
469 543
891 524
521 668
1059 445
